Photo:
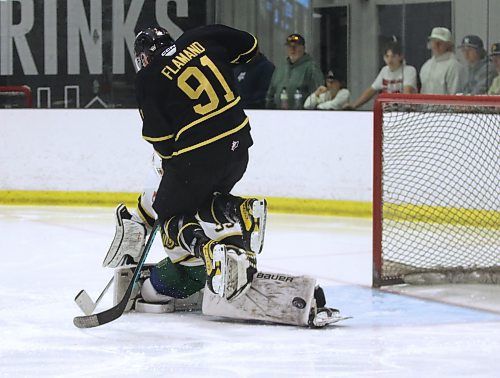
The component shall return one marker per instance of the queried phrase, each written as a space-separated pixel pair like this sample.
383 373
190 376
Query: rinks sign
84 43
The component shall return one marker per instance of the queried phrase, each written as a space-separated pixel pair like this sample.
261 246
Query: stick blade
85 303
104 317
88 321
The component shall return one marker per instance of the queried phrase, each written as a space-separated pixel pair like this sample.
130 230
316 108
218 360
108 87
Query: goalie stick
86 304
107 316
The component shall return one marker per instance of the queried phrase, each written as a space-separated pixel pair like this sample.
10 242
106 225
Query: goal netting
436 203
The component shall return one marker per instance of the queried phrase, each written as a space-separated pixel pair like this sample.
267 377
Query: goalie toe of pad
128 240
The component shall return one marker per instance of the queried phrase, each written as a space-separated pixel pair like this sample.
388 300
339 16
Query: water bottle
284 99
297 99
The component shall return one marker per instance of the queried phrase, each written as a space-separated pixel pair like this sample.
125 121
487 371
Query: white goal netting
437 211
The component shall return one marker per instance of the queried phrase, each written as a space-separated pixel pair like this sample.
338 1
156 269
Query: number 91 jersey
186 95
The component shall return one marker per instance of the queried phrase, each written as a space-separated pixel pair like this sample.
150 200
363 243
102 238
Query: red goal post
436 189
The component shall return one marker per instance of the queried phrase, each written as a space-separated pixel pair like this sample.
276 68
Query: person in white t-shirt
395 77
331 96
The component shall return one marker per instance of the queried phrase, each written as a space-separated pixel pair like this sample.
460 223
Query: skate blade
259 212
321 322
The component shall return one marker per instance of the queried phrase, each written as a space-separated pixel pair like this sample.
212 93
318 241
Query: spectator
441 73
395 77
331 96
295 78
252 81
495 58
478 73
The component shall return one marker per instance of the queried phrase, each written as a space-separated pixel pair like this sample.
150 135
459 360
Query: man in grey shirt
441 74
479 73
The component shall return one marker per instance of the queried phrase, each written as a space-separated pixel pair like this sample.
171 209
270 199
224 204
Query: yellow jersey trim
158 139
211 140
182 229
239 56
208 116
164 157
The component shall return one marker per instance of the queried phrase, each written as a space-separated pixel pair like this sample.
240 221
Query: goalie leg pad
272 297
128 241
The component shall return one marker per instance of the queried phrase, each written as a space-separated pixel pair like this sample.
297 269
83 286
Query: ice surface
49 254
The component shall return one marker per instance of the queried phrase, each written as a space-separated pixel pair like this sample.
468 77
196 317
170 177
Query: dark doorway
333 40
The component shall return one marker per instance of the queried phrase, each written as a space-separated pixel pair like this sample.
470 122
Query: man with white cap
441 74
478 72
495 58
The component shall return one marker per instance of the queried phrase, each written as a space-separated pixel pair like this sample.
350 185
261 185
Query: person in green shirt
294 79
495 58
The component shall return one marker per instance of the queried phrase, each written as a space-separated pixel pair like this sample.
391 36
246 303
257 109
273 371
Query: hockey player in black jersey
192 116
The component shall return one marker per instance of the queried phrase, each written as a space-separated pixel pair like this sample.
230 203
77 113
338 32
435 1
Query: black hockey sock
319 295
220 209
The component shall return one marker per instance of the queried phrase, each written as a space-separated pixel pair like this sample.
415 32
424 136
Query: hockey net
15 96
436 196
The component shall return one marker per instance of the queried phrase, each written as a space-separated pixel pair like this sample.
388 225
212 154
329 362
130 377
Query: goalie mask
148 42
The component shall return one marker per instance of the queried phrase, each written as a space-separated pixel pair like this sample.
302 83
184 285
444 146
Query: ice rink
50 253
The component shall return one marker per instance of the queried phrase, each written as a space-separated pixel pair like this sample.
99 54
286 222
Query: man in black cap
295 78
478 73
495 58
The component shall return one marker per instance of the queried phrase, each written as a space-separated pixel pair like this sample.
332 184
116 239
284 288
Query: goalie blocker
271 297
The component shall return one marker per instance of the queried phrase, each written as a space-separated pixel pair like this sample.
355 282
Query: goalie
177 283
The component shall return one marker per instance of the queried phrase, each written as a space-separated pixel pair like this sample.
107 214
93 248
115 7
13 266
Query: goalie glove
129 239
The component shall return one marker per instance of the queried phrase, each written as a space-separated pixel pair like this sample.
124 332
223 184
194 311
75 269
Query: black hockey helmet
147 42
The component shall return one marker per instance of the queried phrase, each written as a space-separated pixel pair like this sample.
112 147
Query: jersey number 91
204 86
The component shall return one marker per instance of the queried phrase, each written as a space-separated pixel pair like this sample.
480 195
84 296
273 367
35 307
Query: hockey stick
95 320
86 304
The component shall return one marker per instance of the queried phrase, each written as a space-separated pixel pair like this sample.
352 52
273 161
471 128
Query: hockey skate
251 215
320 315
215 257
323 316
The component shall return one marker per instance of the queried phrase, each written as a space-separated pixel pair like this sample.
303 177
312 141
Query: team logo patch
169 51
241 76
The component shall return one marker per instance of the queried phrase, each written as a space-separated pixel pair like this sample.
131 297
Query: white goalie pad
128 240
272 297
